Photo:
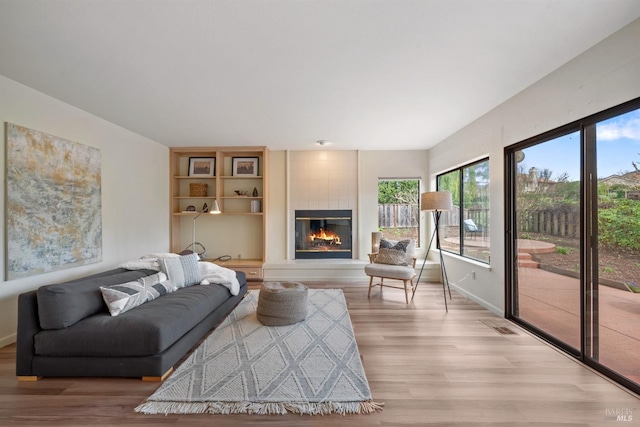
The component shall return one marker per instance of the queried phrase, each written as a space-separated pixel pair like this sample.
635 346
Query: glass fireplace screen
323 234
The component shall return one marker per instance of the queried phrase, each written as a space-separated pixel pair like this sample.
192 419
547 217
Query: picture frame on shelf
202 166
245 166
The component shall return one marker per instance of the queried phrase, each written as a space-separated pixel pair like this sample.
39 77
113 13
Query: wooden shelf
233 231
241 197
195 197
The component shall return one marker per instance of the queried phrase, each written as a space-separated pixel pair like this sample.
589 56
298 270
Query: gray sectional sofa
65 330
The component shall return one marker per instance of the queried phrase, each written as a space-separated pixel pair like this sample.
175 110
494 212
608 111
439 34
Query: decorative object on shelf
255 206
255 191
202 166
205 208
198 190
191 208
437 202
242 193
376 237
245 166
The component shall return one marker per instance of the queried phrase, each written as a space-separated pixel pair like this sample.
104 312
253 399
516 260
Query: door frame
589 314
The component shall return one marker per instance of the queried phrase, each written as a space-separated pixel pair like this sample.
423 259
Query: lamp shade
436 201
215 209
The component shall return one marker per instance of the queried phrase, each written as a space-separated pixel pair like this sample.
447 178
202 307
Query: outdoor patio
551 301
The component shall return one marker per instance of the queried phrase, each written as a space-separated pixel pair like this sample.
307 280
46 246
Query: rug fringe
259 408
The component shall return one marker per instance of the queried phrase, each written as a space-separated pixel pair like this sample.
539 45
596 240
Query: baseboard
9 339
492 308
338 270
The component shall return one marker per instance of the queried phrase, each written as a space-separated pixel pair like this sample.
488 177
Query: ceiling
363 74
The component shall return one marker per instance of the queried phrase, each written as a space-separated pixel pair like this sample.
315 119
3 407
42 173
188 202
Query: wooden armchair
405 273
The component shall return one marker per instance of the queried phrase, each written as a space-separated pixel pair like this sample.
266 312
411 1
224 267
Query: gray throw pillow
400 246
182 271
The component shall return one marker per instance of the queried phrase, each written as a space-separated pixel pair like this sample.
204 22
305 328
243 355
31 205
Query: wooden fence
398 216
554 222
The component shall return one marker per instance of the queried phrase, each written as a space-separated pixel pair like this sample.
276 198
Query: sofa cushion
123 297
148 329
182 271
401 272
62 305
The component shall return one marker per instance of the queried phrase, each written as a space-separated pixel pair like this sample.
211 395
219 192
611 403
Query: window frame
461 176
419 182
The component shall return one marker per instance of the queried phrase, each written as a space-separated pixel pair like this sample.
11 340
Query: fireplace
322 234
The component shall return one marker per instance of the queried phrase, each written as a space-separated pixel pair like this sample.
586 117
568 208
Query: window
465 230
399 209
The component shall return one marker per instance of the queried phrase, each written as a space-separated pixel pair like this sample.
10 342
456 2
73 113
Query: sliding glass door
616 269
548 228
573 239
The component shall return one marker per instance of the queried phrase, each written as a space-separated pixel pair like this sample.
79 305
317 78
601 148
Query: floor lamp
215 209
436 202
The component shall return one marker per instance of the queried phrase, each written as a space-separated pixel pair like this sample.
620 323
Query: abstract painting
53 204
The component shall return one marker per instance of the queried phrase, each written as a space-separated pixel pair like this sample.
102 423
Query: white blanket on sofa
210 272
213 273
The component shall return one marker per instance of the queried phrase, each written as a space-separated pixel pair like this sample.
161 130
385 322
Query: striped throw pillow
123 297
182 271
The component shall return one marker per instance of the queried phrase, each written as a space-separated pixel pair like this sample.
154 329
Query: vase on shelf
255 191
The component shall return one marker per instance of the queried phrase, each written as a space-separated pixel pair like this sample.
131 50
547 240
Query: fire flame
329 237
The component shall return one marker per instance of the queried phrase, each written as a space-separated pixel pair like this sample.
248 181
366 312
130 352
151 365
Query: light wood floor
428 367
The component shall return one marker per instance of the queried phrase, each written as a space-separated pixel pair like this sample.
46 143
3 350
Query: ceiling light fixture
323 142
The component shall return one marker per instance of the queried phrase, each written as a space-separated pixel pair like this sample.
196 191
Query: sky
618 144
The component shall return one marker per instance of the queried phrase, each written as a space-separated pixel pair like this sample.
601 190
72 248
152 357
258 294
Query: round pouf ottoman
282 303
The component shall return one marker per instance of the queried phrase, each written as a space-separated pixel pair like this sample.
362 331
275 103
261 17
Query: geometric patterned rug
312 367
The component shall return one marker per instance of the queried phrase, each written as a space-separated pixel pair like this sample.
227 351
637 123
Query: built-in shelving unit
239 231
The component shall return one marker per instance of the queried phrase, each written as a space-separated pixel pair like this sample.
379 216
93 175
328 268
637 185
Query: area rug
243 367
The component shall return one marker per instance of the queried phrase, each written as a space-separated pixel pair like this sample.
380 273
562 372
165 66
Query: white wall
135 188
276 232
604 76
